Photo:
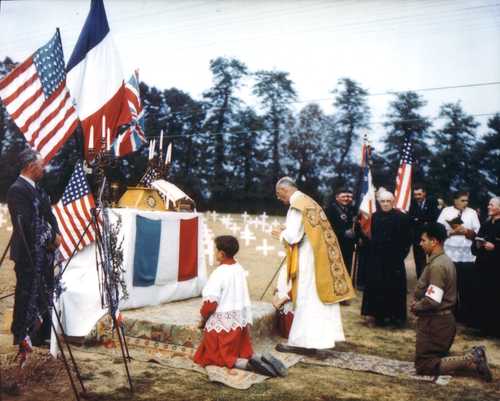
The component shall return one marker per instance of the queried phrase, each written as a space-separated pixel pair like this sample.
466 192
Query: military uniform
435 299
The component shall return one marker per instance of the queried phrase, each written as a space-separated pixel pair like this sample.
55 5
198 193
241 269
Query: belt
437 313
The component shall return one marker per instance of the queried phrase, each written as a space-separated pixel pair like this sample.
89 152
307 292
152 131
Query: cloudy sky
385 45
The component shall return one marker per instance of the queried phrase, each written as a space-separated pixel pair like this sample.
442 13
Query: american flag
36 97
73 214
403 180
152 174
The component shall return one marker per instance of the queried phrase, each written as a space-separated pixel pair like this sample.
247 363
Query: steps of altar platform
177 322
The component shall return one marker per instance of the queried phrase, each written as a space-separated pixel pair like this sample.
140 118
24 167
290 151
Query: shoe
295 350
481 362
277 365
261 367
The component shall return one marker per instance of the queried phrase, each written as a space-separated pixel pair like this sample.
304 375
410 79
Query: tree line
228 155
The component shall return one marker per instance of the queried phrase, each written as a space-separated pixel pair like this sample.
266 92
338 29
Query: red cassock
224 347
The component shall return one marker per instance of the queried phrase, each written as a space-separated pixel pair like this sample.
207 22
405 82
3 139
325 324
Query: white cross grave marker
264 248
262 222
234 228
213 215
227 221
245 216
247 236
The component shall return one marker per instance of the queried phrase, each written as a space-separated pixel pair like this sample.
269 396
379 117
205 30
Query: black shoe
295 350
261 367
481 362
277 365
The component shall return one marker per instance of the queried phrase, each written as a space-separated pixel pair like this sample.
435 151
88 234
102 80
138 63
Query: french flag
95 79
166 251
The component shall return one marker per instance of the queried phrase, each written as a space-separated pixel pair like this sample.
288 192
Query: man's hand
278 302
55 244
276 233
489 246
57 241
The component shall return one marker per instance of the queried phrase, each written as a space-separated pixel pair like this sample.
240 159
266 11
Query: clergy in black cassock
486 247
384 297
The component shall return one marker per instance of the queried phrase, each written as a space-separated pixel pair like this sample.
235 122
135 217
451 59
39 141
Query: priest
316 272
384 298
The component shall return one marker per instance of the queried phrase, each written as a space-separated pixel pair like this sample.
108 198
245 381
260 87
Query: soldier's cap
342 190
27 156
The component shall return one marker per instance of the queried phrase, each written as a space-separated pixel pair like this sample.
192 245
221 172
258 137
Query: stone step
177 322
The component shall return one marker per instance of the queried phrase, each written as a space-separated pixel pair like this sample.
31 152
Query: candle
91 137
168 157
103 128
161 141
108 140
154 147
149 151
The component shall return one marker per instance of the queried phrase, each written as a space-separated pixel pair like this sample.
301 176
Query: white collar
29 180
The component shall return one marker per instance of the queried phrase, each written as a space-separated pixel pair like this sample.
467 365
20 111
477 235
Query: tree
352 116
221 106
405 119
304 149
486 157
275 92
451 165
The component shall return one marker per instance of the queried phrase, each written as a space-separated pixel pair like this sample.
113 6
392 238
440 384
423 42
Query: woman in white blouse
462 225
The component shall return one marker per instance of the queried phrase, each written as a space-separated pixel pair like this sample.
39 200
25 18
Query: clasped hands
276 232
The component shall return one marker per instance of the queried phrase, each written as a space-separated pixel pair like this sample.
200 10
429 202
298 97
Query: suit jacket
421 215
20 199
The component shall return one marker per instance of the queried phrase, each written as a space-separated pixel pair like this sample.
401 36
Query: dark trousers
420 259
22 324
469 291
435 335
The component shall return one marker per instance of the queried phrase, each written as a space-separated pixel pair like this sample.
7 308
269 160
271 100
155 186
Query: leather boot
473 361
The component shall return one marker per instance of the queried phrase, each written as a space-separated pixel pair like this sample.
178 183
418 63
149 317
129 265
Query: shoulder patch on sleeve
435 293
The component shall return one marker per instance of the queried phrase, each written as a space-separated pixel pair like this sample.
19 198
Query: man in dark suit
341 214
423 210
34 239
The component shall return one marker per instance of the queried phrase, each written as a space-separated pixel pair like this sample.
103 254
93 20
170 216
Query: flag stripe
41 117
19 91
147 244
168 254
17 76
66 234
188 249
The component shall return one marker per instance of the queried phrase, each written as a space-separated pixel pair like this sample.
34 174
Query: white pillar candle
91 137
161 141
108 140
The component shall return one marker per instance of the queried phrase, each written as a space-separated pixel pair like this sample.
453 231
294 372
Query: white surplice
315 325
457 247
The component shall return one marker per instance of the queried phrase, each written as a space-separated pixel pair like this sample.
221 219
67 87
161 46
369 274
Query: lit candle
161 141
103 128
168 157
91 137
108 140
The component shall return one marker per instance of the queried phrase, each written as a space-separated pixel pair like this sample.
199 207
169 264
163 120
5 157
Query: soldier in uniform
434 301
423 210
341 214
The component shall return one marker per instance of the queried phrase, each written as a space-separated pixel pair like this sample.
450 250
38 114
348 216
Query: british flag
74 214
403 181
36 97
133 137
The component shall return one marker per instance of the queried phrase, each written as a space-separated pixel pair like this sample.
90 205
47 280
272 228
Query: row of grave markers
243 232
